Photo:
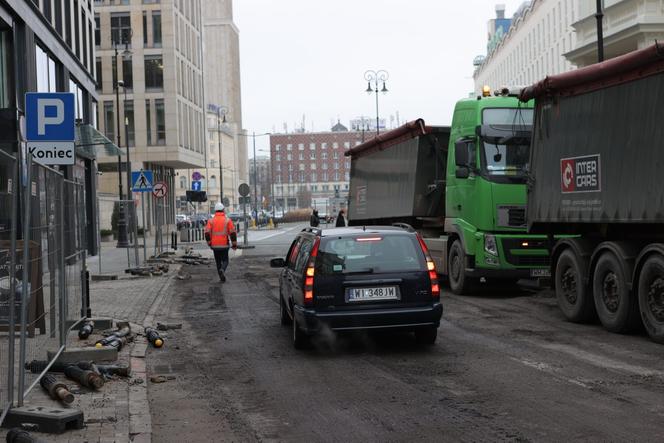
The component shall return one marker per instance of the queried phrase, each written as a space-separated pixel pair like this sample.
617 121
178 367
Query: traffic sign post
196 185
50 127
142 181
244 191
160 190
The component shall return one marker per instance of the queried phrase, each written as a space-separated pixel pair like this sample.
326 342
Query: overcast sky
308 58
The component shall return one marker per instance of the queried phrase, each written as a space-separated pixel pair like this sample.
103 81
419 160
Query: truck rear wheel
651 297
572 295
459 281
617 308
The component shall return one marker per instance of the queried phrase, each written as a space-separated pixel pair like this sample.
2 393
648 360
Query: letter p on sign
50 116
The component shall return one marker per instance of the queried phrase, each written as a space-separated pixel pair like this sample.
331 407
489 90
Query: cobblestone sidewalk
108 411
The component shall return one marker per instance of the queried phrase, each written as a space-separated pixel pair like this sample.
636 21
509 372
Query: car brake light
309 273
431 267
363 239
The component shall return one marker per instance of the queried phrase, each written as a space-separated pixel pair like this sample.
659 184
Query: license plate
540 273
364 294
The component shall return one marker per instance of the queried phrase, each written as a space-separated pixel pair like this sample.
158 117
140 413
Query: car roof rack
405 226
317 231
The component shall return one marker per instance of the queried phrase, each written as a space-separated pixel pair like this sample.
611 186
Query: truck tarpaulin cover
596 154
399 174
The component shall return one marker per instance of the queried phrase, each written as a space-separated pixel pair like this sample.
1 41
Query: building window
323 145
335 155
324 166
109 120
289 157
127 73
148 122
301 177
278 157
129 121
289 147
326 187
183 182
336 176
300 146
45 71
145 29
312 156
121 28
336 165
277 148
323 155
347 145
313 179
78 98
312 146
347 176
156 29
98 70
97 30
290 167
154 72
301 166
335 145
313 166
213 181
160 115
301 156
278 167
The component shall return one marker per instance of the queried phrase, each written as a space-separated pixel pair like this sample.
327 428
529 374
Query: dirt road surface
506 367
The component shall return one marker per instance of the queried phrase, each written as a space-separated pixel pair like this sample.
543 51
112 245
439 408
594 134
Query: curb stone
140 420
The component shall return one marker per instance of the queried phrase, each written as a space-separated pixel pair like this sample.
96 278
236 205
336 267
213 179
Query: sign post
159 191
49 123
142 181
244 190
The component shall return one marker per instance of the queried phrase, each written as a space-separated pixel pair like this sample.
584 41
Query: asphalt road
506 367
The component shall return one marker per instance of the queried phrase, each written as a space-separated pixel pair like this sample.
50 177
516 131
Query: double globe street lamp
374 78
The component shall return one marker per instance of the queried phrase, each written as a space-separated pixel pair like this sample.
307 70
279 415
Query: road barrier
42 270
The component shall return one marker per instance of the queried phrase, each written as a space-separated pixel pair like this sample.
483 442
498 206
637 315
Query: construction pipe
153 337
38 366
56 390
86 378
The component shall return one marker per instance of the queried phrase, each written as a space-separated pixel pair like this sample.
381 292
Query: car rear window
370 253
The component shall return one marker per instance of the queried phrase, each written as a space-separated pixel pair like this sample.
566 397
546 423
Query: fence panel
43 317
8 283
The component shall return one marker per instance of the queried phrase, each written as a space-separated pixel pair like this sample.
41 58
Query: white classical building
539 35
547 37
628 25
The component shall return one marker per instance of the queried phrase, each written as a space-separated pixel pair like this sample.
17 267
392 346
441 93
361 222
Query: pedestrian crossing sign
142 181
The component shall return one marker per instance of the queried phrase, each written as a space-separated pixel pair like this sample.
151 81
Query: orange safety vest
219 228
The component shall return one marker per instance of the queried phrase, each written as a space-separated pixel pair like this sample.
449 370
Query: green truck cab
487 173
462 187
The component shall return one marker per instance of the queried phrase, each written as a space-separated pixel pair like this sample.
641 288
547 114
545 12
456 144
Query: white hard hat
218 207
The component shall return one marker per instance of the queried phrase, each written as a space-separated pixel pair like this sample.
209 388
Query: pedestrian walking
341 219
221 236
314 221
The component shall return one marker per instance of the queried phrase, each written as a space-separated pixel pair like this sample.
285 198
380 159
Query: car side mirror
461 153
462 172
278 263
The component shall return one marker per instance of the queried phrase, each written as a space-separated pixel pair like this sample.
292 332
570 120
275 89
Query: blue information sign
142 181
49 116
195 185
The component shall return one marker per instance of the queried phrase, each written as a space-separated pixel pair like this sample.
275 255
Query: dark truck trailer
405 183
596 173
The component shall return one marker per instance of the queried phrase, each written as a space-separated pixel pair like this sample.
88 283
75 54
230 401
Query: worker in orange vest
221 235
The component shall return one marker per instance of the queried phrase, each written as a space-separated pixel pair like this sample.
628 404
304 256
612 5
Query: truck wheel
300 339
617 308
651 297
426 335
572 295
285 318
459 281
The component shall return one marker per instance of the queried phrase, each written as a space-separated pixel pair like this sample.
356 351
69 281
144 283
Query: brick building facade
309 167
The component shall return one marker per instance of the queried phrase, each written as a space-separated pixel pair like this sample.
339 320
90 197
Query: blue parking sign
50 116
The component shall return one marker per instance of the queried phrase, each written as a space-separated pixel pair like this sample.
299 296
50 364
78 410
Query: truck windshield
506 159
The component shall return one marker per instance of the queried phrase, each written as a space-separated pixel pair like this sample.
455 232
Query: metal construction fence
42 270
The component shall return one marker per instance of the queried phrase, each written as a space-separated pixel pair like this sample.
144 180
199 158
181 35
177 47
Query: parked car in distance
359 278
182 221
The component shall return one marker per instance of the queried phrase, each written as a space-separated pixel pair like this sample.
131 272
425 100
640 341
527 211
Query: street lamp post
221 171
599 15
123 241
376 77
253 136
